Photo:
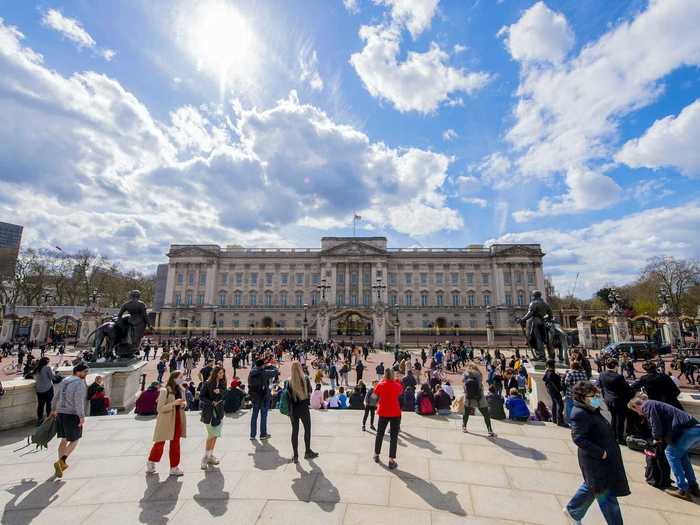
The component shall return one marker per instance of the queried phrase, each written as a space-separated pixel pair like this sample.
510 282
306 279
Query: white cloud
540 35
614 251
651 190
496 171
467 184
671 141
351 5
71 29
449 134
420 83
459 48
476 201
308 66
416 15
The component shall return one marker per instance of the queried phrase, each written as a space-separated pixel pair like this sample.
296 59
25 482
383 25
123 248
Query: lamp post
323 287
397 326
305 328
379 287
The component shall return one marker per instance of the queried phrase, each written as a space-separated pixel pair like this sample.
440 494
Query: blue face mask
595 402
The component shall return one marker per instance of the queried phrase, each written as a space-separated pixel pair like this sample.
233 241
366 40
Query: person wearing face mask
599 457
171 424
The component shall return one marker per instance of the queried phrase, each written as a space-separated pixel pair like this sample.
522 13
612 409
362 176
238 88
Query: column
210 289
618 327
347 282
89 322
379 326
585 336
7 326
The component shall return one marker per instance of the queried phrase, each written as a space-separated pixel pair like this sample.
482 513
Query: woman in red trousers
171 424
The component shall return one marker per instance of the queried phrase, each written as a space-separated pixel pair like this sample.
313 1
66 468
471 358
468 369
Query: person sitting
495 403
447 387
342 398
316 400
443 403
409 380
146 403
425 404
332 399
99 403
357 399
407 400
235 382
233 398
517 408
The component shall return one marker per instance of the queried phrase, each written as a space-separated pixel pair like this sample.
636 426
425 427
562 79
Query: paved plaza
444 477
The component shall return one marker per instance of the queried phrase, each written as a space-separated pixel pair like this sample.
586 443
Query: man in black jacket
658 387
552 381
616 393
260 395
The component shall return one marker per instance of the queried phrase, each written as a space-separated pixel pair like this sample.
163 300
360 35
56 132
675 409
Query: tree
674 277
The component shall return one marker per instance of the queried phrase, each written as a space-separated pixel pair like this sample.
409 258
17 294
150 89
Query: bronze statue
536 325
137 319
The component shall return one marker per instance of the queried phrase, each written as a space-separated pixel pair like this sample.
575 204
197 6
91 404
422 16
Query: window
366 277
440 299
518 277
236 323
439 278
253 299
222 299
188 299
424 279
268 299
470 278
300 299
454 278
472 323
190 278
353 299
180 278
340 299
487 299
340 277
424 299
268 279
471 299
200 298
239 278
284 278
485 278
509 299
316 279
202 278
392 299
223 278
365 299
530 277
455 299
300 279
507 277
521 299
408 278
408 298
283 299
254 279
220 323
237 299
178 299
353 278
282 323
314 297
426 323
392 279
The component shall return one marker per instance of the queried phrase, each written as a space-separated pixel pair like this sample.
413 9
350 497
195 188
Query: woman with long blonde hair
299 394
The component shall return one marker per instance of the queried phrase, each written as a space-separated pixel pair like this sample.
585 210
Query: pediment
522 251
193 251
354 248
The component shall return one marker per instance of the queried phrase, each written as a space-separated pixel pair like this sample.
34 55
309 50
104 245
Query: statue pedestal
41 319
618 329
670 330
323 328
90 321
6 332
490 336
379 328
585 336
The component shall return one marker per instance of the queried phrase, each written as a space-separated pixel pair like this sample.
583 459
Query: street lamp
305 334
93 297
323 287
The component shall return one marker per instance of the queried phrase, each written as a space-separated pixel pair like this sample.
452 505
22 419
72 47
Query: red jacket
388 393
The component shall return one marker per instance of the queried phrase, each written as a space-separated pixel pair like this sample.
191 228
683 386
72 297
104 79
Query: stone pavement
444 477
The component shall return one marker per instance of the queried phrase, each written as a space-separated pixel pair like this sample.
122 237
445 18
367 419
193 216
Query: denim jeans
578 505
680 461
569 406
259 407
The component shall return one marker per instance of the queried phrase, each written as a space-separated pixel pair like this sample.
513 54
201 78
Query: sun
221 41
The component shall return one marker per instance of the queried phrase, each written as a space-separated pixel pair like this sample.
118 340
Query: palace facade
236 290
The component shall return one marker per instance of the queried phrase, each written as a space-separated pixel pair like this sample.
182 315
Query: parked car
636 350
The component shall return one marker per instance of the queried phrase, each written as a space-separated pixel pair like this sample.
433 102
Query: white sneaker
177 471
150 467
213 460
571 519
205 464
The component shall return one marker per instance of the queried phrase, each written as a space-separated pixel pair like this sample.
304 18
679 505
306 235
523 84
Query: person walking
69 411
474 398
260 396
389 411
43 384
171 424
599 457
616 394
370 407
359 369
299 393
211 403
552 381
161 370
680 432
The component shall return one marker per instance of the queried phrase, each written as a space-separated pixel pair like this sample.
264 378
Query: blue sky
127 126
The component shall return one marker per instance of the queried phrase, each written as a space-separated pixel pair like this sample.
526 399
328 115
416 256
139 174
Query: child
342 398
517 408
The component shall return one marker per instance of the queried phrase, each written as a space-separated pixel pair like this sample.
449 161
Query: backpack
283 404
472 387
44 433
425 407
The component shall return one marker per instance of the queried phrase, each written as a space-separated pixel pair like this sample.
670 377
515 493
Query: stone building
236 290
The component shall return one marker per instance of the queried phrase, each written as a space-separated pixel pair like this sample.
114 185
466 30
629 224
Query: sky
127 126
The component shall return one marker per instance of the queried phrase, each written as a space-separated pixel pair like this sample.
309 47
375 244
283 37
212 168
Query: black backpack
472 388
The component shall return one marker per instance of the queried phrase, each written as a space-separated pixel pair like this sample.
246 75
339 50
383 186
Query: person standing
389 411
161 370
299 392
69 410
599 457
616 393
680 432
211 402
370 407
260 395
171 424
552 381
659 387
573 376
43 384
359 369
474 398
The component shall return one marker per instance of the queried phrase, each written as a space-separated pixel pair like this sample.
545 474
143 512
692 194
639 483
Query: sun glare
221 41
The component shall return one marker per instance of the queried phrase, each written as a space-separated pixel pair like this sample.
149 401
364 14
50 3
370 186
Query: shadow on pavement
518 450
211 495
433 496
267 457
159 499
326 492
419 442
37 497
